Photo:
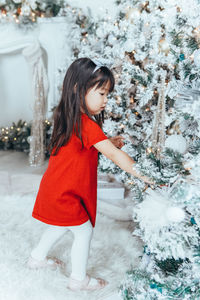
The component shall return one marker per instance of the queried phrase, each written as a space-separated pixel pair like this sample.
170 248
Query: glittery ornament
175 214
176 142
181 57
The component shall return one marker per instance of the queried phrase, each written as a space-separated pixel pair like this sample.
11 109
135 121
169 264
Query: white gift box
110 191
111 201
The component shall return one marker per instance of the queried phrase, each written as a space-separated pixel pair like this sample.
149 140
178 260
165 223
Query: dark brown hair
78 80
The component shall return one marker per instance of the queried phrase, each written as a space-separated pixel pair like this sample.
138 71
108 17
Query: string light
171 66
192 57
149 150
178 9
188 169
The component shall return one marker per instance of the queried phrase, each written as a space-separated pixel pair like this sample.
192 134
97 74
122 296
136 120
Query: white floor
113 251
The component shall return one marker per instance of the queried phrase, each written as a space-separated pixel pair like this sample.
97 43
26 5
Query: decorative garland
17 137
27 11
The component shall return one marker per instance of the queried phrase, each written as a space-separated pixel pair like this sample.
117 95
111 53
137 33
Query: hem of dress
59 223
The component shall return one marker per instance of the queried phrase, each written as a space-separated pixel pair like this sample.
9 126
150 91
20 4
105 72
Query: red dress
67 194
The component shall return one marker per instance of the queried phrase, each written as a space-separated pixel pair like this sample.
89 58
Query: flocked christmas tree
153 49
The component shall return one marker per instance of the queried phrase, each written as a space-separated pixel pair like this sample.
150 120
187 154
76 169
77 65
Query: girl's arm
117 141
120 158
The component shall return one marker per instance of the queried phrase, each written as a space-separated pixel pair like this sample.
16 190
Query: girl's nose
105 100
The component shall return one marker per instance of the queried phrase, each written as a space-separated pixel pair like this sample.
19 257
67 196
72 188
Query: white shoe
88 284
51 263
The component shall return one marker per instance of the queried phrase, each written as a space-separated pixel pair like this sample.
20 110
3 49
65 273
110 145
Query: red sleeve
91 132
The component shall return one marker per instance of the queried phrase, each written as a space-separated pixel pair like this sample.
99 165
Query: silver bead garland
158 135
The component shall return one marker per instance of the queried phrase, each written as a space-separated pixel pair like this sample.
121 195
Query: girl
67 195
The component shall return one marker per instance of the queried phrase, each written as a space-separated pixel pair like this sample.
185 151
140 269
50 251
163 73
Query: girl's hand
147 180
117 141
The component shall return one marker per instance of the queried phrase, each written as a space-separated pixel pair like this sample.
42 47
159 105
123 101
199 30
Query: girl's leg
79 280
80 249
51 235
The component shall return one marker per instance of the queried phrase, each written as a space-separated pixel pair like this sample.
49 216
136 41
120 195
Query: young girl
67 195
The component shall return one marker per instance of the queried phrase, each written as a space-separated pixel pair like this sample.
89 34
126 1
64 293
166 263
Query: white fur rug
113 251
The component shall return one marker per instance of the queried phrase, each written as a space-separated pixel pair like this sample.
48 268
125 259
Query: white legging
80 247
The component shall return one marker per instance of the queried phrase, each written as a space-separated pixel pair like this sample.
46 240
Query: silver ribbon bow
103 62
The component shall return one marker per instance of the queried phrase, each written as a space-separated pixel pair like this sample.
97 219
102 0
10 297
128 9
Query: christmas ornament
176 142
30 139
164 46
175 214
181 57
17 1
197 57
156 210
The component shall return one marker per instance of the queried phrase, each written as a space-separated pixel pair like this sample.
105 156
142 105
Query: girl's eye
102 94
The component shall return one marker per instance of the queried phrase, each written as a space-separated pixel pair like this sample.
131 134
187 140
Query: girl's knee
89 231
83 231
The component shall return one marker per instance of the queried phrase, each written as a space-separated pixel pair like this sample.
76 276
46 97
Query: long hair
78 80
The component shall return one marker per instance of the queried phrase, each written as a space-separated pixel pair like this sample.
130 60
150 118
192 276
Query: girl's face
96 99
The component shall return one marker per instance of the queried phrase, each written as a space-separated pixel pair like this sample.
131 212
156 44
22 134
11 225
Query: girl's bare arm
120 158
